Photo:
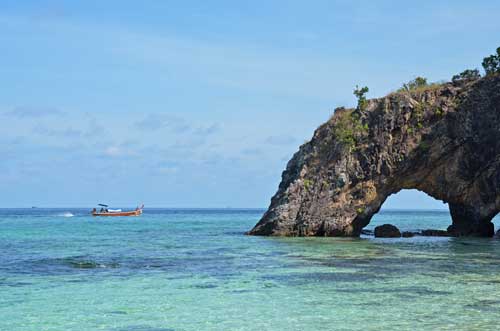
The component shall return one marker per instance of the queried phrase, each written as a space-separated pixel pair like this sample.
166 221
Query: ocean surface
62 270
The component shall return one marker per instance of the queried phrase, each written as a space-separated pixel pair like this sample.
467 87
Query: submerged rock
443 141
387 231
408 234
435 233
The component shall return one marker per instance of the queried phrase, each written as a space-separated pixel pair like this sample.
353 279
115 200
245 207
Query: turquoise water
195 270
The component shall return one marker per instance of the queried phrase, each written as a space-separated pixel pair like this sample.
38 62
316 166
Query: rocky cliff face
443 140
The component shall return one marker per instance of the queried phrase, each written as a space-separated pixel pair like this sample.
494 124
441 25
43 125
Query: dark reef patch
298 279
407 290
141 328
485 305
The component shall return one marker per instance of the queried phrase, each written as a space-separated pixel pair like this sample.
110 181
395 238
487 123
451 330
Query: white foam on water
66 214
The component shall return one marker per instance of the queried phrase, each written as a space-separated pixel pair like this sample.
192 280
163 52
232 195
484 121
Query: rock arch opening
412 199
412 212
464 219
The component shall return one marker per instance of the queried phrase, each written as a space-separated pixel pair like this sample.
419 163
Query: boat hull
121 213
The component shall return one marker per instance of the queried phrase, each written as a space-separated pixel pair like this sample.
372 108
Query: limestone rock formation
443 140
387 231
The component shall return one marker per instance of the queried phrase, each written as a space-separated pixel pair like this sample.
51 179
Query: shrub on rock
466 76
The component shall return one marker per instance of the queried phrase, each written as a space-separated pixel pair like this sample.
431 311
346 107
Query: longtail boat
116 212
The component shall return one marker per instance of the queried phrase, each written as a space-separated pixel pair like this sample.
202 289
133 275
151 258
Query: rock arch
444 141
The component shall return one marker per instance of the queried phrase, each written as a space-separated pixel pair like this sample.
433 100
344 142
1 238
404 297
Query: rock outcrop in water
387 231
443 140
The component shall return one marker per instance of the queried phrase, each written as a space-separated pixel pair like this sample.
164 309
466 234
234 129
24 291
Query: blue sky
202 103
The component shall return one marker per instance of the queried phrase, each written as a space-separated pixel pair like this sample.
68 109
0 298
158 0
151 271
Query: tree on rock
360 93
491 64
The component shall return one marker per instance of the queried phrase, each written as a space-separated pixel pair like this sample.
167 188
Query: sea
195 269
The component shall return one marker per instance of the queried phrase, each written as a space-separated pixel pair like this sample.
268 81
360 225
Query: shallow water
195 270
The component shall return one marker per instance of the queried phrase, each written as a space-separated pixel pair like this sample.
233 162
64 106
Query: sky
202 103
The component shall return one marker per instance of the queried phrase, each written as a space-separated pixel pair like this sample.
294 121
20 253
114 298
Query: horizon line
218 208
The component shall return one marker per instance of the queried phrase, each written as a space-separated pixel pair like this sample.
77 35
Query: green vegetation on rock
414 84
419 114
307 184
349 129
438 111
491 64
360 93
466 75
360 210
